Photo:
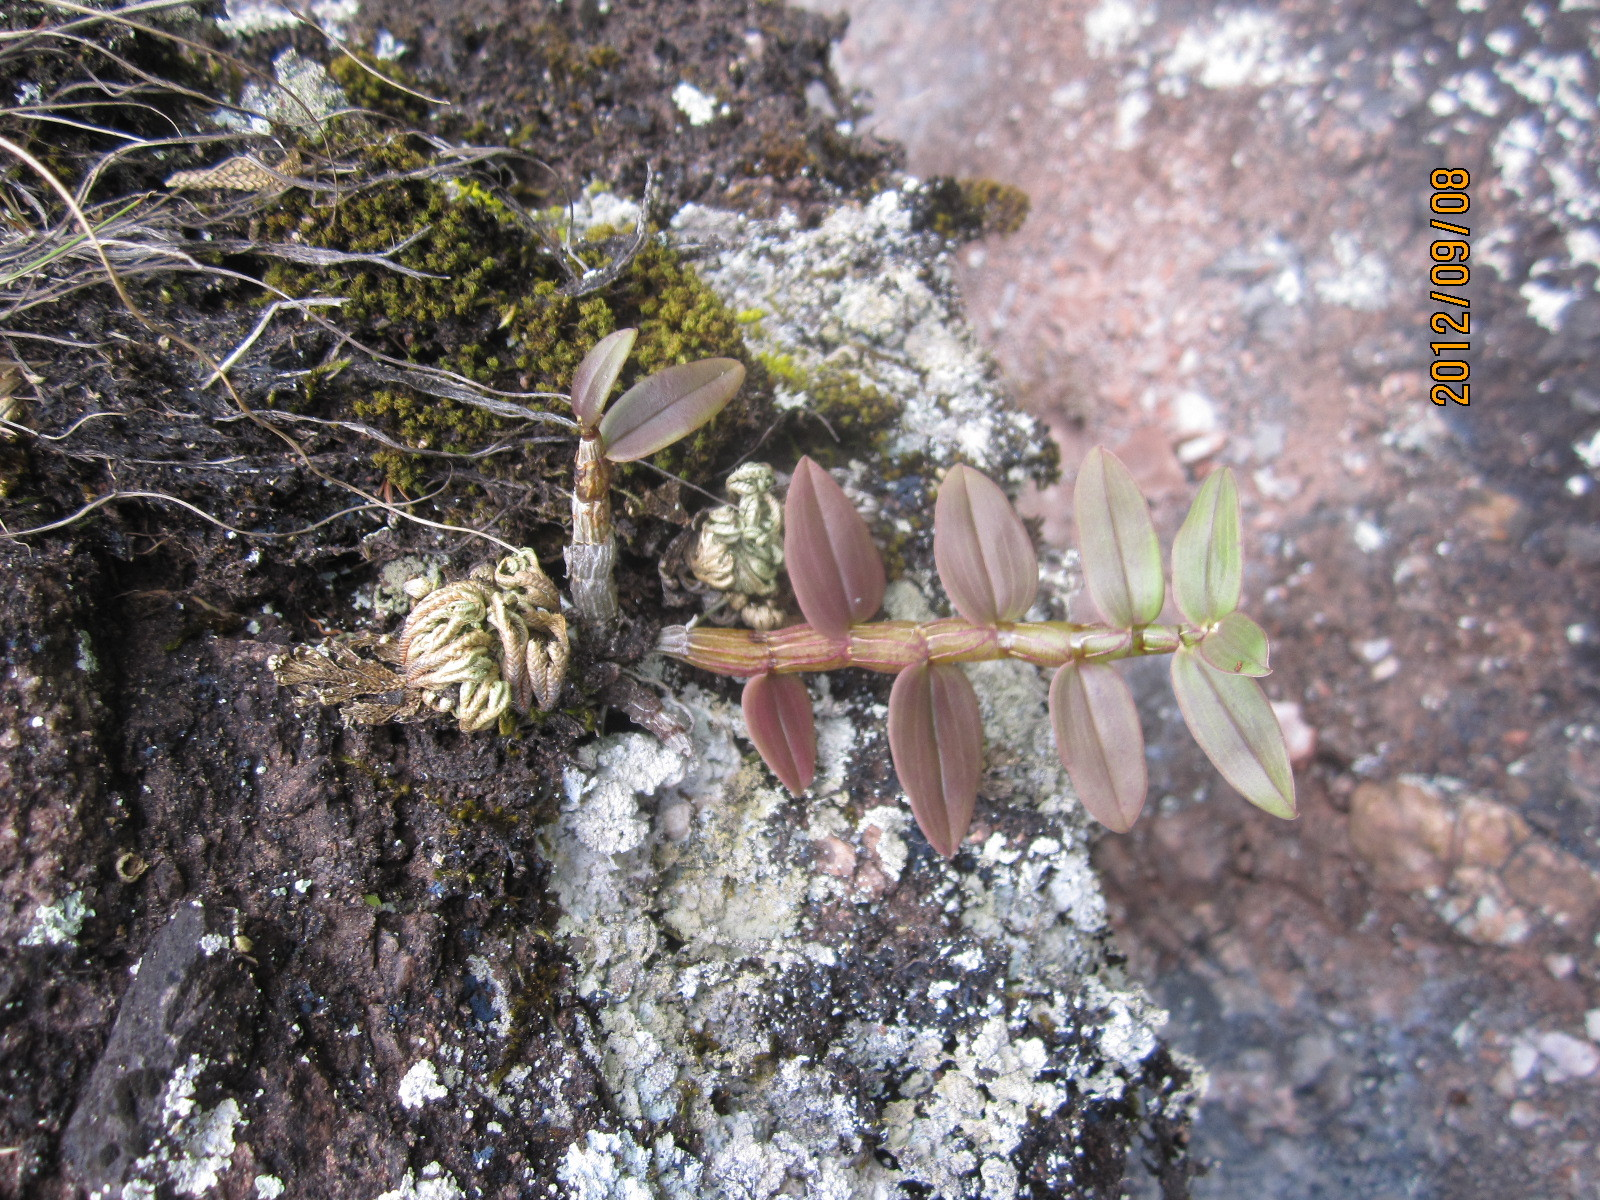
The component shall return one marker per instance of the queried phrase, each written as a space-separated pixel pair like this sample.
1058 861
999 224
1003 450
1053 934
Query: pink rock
834 856
1404 832
1300 738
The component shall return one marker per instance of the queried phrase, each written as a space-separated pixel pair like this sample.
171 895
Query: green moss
857 410
493 311
473 811
361 83
859 413
963 209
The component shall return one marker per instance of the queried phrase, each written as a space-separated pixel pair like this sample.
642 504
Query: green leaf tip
1230 717
1121 556
1207 564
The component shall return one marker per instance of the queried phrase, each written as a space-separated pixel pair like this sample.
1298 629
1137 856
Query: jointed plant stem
893 646
592 555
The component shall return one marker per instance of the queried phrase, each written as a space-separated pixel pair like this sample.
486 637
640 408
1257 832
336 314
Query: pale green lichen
60 923
432 1183
195 1144
866 292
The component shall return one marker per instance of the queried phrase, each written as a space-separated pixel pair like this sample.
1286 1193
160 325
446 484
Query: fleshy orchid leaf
1231 719
835 569
1236 646
984 555
1100 742
666 406
597 375
777 712
936 740
1207 566
1121 556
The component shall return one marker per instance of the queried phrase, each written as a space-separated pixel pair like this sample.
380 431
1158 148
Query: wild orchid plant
487 648
987 565
649 416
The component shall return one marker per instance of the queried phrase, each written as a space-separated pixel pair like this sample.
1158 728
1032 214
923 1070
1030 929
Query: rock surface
1229 238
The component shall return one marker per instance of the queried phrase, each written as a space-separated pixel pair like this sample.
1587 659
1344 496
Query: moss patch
494 310
963 209
860 414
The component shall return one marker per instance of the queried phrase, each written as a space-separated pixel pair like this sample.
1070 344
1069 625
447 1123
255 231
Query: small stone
1368 537
1494 517
1591 1024
421 1085
1481 911
1488 832
1567 1057
1298 736
834 856
1524 1058
870 880
1524 1115
1197 449
1403 832
1553 882
180 1027
1192 415
1560 966
1374 649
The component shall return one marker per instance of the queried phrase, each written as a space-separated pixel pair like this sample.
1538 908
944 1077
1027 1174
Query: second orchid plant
987 565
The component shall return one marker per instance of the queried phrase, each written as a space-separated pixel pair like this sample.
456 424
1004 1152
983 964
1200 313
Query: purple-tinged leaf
1207 565
597 375
671 404
1231 719
1236 646
936 739
985 558
836 571
777 712
1100 742
1121 556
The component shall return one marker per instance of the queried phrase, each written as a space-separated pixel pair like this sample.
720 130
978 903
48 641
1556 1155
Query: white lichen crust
865 291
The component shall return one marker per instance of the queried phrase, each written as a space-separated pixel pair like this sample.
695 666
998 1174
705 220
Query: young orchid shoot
651 415
988 567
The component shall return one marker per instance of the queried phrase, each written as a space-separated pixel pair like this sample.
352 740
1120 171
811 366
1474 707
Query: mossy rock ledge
410 964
